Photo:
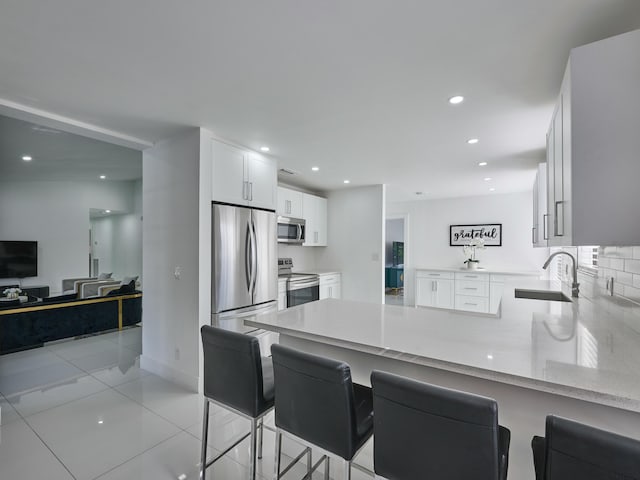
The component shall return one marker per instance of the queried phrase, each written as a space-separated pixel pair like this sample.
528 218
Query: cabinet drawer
478 277
472 304
434 274
329 279
473 288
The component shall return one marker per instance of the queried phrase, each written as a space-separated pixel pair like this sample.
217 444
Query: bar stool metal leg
254 448
205 435
346 470
278 455
326 469
260 436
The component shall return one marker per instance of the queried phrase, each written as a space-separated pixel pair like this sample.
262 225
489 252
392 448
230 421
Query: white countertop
501 271
319 272
582 349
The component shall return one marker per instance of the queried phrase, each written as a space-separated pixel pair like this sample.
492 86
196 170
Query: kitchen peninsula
575 359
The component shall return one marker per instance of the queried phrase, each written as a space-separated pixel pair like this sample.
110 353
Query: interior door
265 266
230 258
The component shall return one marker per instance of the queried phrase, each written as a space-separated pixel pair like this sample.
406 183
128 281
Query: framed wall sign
491 233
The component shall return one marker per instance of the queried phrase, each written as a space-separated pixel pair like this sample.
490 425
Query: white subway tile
632 266
604 262
625 278
636 280
636 253
625 252
618 264
610 251
632 293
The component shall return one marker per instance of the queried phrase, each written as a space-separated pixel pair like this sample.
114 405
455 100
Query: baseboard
169 373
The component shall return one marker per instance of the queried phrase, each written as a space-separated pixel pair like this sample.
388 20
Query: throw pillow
105 276
128 280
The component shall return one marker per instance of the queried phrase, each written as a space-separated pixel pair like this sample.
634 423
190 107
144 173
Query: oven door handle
301 285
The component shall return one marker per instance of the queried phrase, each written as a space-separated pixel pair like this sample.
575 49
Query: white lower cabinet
282 294
434 289
479 292
330 285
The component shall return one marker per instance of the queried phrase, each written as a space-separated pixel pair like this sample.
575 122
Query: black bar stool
237 378
425 431
574 450
318 406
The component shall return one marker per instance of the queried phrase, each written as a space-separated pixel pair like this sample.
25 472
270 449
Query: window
588 259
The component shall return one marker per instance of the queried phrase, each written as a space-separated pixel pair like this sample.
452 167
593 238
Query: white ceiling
58 155
356 87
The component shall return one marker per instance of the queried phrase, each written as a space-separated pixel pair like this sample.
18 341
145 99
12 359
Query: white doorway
395 253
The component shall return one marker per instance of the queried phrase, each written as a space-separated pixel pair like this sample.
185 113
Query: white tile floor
84 409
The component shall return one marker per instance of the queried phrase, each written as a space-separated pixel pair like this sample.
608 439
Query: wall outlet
177 272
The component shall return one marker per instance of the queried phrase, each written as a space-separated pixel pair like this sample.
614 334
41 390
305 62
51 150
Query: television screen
18 259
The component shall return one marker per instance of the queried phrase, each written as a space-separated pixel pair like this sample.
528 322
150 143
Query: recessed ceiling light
492 189
107 211
315 169
490 357
27 158
265 149
487 179
455 100
472 141
419 193
100 422
346 181
482 164
102 177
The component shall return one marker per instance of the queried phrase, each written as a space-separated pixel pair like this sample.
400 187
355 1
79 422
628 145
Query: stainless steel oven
302 288
291 230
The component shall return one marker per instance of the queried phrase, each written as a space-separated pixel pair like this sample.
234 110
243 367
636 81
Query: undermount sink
542 295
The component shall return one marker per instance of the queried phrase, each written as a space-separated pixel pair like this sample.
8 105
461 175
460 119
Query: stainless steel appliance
244 269
291 230
301 287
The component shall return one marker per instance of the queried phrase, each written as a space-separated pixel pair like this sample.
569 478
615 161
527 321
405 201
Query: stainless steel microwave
291 230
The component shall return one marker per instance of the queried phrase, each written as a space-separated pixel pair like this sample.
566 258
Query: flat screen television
18 259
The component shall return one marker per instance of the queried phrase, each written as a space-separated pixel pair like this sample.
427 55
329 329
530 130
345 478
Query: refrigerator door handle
247 258
254 258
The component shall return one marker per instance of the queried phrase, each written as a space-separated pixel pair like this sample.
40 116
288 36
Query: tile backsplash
623 265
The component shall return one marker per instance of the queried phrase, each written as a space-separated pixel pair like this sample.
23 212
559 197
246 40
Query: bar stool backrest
575 450
426 431
233 369
315 400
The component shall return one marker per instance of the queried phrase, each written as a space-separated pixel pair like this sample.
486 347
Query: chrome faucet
575 286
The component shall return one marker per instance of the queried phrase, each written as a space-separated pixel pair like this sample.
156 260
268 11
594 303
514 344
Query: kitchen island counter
576 359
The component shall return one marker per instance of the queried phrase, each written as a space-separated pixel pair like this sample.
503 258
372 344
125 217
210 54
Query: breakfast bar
577 359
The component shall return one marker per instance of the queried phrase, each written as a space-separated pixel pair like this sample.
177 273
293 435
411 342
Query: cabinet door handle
556 223
470 288
251 191
545 228
533 235
472 304
315 237
470 276
245 196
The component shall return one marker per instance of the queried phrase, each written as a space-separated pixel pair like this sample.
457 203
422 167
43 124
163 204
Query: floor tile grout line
139 454
49 448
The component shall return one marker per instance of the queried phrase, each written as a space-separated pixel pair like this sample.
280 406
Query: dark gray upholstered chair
426 431
239 379
572 450
318 405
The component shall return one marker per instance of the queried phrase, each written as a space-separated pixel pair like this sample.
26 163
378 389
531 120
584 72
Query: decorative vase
472 264
13 295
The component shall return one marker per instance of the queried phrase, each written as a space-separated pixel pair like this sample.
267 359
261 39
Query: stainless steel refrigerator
244 264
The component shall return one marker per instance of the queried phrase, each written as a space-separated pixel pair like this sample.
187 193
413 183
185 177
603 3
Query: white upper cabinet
289 203
540 229
592 159
243 178
314 211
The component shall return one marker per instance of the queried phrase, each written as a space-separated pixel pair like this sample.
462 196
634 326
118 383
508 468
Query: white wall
356 241
171 240
56 215
117 240
429 222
